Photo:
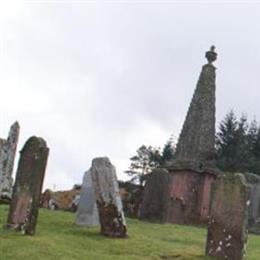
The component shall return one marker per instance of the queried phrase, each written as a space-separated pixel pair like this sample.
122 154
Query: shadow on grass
183 257
183 241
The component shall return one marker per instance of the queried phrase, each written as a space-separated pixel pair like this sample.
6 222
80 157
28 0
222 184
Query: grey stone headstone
87 214
109 204
254 207
227 229
25 202
155 197
7 156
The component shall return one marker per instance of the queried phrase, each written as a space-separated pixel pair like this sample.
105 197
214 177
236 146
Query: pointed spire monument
196 145
183 195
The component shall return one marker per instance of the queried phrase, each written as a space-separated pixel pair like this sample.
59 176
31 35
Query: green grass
57 238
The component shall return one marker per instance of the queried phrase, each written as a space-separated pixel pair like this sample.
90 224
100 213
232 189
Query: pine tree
226 142
255 149
242 150
168 151
238 145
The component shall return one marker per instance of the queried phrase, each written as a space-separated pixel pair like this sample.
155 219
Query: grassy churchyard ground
57 238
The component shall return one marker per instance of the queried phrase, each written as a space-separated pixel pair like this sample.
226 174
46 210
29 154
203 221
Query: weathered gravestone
154 206
254 207
227 229
7 156
87 214
109 204
23 211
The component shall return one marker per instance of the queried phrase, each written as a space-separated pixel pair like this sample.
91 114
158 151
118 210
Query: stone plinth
109 204
189 197
23 211
87 214
177 196
227 230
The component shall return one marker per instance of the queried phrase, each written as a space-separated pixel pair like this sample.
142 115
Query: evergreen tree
255 150
238 145
225 142
242 155
168 151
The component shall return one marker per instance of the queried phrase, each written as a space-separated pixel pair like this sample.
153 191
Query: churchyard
188 189
58 238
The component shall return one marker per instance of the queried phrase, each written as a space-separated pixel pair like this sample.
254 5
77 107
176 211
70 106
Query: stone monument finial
211 55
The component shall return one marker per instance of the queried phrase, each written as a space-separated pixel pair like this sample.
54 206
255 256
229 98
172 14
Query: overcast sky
101 78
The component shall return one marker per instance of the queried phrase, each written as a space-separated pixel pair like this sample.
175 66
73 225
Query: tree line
237 149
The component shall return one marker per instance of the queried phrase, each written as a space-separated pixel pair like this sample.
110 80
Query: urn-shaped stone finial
211 55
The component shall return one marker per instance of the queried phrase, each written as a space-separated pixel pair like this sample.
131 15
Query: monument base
178 195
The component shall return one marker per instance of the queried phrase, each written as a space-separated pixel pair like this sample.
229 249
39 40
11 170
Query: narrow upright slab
109 204
155 198
87 214
254 207
7 156
227 230
23 211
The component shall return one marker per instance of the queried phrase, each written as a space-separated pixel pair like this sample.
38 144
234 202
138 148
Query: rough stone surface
131 195
87 214
155 198
188 199
62 200
23 211
197 139
193 167
109 204
7 156
181 197
254 207
227 230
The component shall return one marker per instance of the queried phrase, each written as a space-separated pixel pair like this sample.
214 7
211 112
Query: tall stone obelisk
196 145
185 185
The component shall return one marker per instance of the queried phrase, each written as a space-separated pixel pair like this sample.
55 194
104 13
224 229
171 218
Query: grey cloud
104 78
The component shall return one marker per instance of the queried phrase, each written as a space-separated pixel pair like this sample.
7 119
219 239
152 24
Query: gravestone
7 156
109 204
227 229
154 206
87 214
254 207
23 211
